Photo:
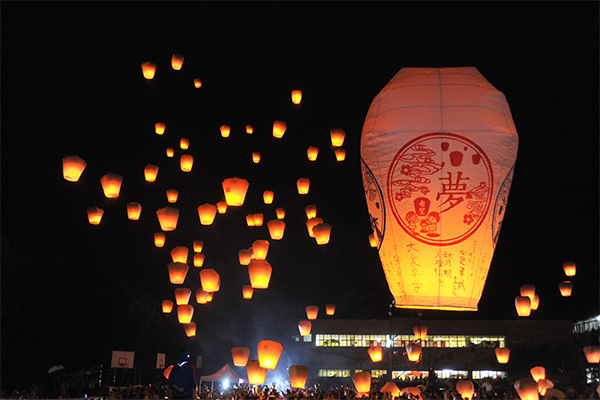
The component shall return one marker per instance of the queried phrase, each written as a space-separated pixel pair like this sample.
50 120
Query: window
488 374
451 341
376 373
333 373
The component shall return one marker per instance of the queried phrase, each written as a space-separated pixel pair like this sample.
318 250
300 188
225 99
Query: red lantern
186 162
279 128
330 309
148 70
198 246
185 313
95 215
259 272
190 329
372 240
249 129
296 96
527 389
167 306
172 195
159 128
73 167
502 354
340 154
247 292
268 196
198 260
465 388
256 157
304 327
180 254
184 143
303 185
222 207
312 312
565 288
257 219
570 268
298 375
111 184
260 248
280 212
420 332
523 306
134 210
167 218
240 356
182 296
197 83
527 290
311 211
159 239
177 61
170 152
256 373
245 255
311 223
210 280
207 213
177 272
413 351
225 130
276 228
201 296
375 352
150 172
322 233
337 137
592 354
235 191
538 373
362 381
269 352
312 153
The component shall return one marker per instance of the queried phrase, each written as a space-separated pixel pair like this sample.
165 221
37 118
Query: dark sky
72 84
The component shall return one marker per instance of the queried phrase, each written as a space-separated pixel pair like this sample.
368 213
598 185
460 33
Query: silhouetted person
182 380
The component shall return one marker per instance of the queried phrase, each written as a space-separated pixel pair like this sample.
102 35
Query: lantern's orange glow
312 312
592 354
186 162
322 233
73 167
280 212
245 255
222 207
182 296
304 327
372 240
392 389
256 373
172 195
190 329
225 130
535 302
527 389
235 191
268 196
538 373
303 185
134 210
150 172
247 292
527 290
543 385
167 371
148 70
198 246
111 184
184 143
566 288
250 219
159 128
259 272
502 354
249 129
201 296
210 280
185 312
256 157
337 137
159 239
210 295
167 306
180 254
269 352
167 218
95 215
330 309
375 352
420 332
177 272
570 268
170 152
362 381
207 213
260 249
240 356
311 223
298 375
465 388
197 83
276 228
312 153
413 351
296 96
311 211
340 154
523 306
177 61
258 219
198 260
279 128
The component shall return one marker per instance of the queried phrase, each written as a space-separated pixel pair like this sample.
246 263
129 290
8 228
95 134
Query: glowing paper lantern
186 162
527 290
566 288
198 260
269 352
372 240
592 354
304 327
185 312
249 129
312 153
337 137
184 143
182 296
362 381
538 373
340 154
111 185
375 352
280 212
438 148
322 233
172 195
134 210
198 245
330 309
240 356
260 249
535 302
296 96
298 375
259 272
222 207
256 373
279 128
256 157
210 280
167 306
180 254
159 239
177 272
167 218
527 389
303 185
257 219
201 296
312 312
95 215
235 191
570 268
150 172
177 61
167 371
245 255
420 332
523 306
465 388
207 213
250 219
543 385
247 292
391 388
502 354
73 167
268 196
170 152
148 70
276 228
159 128
209 296
190 329
311 211
197 83
311 223
413 351
225 130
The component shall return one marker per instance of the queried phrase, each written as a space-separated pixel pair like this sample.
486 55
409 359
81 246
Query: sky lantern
198 260
330 309
258 219
184 143
249 129
247 292
311 211
312 312
337 137
198 245
197 83
372 240
465 388
167 218
420 332
298 375
111 185
535 302
73 167
322 233
159 128
375 352
201 296
276 228
523 306
207 213
543 385
280 212
150 172
177 272
570 268
95 215
413 352
259 272
527 389
502 354
538 373
186 162
527 290
134 210
303 185
210 280
362 381
177 61
245 255
235 191
167 306
438 148
566 288
592 354
340 154
225 130
304 327
222 207
255 157
269 352
268 196
312 153
256 373
296 96
185 312
260 249
279 128
172 195
159 239
311 223
170 152
240 356
148 70
391 388
182 296
250 219
180 254
167 371
190 329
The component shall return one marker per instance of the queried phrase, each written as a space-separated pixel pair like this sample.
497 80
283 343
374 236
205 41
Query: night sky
72 85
